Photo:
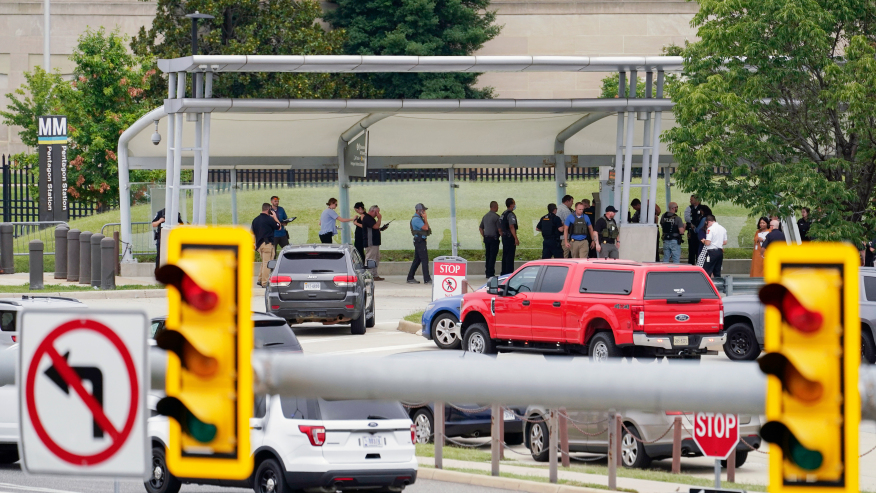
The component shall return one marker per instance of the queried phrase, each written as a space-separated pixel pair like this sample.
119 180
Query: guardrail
730 285
24 232
142 238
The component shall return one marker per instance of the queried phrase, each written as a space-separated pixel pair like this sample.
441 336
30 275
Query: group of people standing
493 227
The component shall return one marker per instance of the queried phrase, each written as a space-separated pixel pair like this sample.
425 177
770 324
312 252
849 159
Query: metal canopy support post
171 214
168 175
647 215
198 89
205 150
454 245
234 196
618 167
343 180
667 179
560 149
655 156
628 156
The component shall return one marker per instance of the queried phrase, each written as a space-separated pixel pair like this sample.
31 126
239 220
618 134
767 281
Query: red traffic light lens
200 298
799 316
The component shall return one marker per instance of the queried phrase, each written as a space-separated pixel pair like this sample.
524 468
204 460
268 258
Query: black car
324 283
270 332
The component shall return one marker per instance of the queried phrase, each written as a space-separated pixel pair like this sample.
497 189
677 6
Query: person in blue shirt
420 230
328 225
578 231
281 236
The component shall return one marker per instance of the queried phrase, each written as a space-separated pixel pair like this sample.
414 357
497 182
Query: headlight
430 306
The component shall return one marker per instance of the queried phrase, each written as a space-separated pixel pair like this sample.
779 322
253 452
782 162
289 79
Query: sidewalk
640 485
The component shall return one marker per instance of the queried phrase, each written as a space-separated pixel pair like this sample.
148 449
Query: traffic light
813 346
209 338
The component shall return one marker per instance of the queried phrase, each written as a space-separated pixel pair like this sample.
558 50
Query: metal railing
142 238
24 232
730 285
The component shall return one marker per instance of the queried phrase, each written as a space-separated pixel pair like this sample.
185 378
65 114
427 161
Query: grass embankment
415 317
69 288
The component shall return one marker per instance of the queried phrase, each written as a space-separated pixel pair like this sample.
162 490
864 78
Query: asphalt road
14 480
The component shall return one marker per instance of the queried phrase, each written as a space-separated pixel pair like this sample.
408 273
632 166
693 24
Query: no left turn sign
83 392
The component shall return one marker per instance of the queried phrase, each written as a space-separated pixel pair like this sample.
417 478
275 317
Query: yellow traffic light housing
209 338
813 346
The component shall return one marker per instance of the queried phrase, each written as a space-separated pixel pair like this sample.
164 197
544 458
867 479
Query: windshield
678 285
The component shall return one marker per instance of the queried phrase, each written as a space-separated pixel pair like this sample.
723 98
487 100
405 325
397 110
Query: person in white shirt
564 210
716 238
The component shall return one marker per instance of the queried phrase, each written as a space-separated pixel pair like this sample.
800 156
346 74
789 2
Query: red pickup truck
604 308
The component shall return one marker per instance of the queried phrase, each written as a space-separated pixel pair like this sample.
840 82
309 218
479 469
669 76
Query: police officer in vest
420 230
607 235
551 227
672 229
578 230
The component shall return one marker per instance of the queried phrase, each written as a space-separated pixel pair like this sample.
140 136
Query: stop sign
716 434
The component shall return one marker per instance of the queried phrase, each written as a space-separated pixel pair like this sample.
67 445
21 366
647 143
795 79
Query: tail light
14 338
638 314
721 317
280 279
414 434
345 281
316 434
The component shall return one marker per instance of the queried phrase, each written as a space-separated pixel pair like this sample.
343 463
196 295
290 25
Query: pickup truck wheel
160 480
741 343
602 347
868 348
477 340
445 331
633 451
539 439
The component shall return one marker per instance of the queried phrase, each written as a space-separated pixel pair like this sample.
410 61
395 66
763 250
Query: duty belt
610 242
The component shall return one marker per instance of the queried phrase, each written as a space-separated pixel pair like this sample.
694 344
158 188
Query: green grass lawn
57 288
415 317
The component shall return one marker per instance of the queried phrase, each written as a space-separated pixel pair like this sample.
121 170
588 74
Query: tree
38 96
780 92
262 27
418 27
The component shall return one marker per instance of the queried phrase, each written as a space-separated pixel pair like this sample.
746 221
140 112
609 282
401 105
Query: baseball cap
420 207
610 209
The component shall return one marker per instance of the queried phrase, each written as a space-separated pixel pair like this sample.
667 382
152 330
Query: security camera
156 137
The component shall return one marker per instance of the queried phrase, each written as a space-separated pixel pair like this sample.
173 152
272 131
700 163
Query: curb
500 482
409 327
107 295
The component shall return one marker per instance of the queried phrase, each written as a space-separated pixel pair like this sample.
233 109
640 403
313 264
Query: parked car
441 320
588 432
10 308
8 417
322 283
300 443
602 308
743 317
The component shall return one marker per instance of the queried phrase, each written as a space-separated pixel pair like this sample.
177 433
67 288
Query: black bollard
7 262
108 258
61 251
73 255
35 258
95 259
85 258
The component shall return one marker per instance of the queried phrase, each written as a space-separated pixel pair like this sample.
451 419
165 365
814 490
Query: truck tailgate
681 302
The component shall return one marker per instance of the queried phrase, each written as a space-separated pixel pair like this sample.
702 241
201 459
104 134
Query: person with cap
509 236
607 235
491 229
564 209
420 230
578 230
551 227
672 229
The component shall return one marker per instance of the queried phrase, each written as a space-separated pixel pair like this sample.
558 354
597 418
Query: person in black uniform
693 215
509 236
551 227
156 223
804 223
869 253
358 235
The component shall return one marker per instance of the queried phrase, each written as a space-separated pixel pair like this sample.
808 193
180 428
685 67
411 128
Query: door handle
525 302
557 304
255 427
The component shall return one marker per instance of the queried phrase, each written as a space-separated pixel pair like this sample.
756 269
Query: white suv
314 445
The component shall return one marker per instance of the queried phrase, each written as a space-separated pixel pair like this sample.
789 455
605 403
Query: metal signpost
82 397
717 435
52 139
448 274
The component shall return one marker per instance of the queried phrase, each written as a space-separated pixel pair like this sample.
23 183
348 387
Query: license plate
372 442
509 415
312 286
679 341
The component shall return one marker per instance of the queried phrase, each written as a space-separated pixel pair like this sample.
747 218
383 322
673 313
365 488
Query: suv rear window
358 409
7 321
602 281
678 285
312 262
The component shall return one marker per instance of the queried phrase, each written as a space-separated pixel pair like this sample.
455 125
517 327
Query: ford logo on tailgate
682 317
372 424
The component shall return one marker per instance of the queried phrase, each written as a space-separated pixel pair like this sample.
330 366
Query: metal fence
142 238
24 232
19 205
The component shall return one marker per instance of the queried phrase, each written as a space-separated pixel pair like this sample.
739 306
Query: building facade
531 27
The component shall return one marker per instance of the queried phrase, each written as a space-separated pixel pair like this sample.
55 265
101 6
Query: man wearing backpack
420 230
509 236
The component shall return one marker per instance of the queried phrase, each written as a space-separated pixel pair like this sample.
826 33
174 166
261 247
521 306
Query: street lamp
194 17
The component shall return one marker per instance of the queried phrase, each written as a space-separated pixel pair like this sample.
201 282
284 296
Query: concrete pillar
7 262
85 258
61 251
95 259
35 259
73 255
108 261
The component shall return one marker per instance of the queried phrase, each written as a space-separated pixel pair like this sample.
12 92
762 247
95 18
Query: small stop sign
716 434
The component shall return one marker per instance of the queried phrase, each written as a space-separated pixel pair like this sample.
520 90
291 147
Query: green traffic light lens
200 431
803 457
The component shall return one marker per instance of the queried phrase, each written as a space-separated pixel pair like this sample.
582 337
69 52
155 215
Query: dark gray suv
322 283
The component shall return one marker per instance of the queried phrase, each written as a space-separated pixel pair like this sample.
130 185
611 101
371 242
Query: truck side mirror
272 264
493 285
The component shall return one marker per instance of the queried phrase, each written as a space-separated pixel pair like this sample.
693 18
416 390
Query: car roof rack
61 298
